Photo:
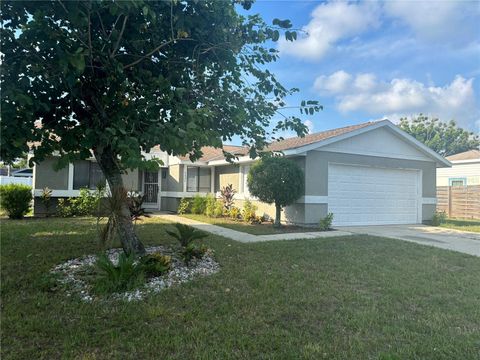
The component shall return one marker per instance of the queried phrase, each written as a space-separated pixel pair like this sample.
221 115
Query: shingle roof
466 155
211 153
295 142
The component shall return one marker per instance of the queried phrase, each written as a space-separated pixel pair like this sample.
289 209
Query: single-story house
465 170
366 174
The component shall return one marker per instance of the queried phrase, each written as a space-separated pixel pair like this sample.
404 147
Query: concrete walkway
461 241
247 238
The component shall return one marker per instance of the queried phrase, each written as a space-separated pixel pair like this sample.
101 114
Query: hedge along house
366 174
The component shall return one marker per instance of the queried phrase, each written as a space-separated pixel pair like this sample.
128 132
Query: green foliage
234 213
185 206
218 210
227 193
106 75
86 204
192 251
46 199
276 180
135 205
210 203
199 204
155 264
126 275
325 224
248 212
443 138
439 218
186 236
15 199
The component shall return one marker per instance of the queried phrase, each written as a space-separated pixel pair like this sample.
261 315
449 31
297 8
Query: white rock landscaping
71 274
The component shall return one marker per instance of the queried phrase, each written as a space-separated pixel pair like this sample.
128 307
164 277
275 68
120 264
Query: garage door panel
359 195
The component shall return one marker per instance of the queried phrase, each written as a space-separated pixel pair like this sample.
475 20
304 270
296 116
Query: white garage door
360 195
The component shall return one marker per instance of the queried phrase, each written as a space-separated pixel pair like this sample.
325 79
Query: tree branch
117 44
159 47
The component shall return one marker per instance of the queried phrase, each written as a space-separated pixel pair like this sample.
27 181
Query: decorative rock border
69 274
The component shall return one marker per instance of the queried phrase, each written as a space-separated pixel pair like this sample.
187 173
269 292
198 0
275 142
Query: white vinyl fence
4 180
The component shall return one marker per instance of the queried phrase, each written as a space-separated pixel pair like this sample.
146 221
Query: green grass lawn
462 224
334 298
254 229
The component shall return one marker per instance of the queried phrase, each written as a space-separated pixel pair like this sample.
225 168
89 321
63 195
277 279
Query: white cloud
331 22
335 83
434 20
452 22
310 125
403 96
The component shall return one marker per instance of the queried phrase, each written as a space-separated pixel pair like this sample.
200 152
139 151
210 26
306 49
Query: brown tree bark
278 214
108 163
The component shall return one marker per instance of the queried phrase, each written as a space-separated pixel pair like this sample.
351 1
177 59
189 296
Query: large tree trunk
278 214
109 165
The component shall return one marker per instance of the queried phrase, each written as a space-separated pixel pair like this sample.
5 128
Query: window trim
463 180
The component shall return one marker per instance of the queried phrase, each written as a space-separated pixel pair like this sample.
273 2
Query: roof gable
379 142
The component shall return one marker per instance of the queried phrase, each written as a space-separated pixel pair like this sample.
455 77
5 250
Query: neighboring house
17 176
465 170
366 174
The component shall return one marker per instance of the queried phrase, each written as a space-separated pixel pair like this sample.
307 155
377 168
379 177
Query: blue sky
371 60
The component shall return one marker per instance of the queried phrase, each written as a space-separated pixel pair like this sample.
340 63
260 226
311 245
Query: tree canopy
443 138
276 180
119 77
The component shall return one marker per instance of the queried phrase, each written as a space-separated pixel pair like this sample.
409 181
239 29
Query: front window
192 178
198 179
87 174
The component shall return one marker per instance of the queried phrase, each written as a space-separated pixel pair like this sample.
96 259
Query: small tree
276 180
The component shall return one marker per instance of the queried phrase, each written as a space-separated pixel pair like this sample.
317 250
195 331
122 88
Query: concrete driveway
462 241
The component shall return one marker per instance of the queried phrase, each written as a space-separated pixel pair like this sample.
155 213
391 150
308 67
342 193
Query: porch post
212 180
70 177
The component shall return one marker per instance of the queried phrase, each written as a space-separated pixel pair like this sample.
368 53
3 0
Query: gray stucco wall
47 176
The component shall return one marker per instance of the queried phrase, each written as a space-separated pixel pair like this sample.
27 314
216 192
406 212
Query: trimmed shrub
15 199
248 212
185 206
439 218
218 211
199 204
210 203
234 213
86 204
326 223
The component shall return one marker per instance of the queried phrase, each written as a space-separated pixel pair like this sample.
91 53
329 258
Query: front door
151 189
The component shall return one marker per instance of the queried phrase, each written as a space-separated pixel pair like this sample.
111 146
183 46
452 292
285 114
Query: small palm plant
126 275
186 235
